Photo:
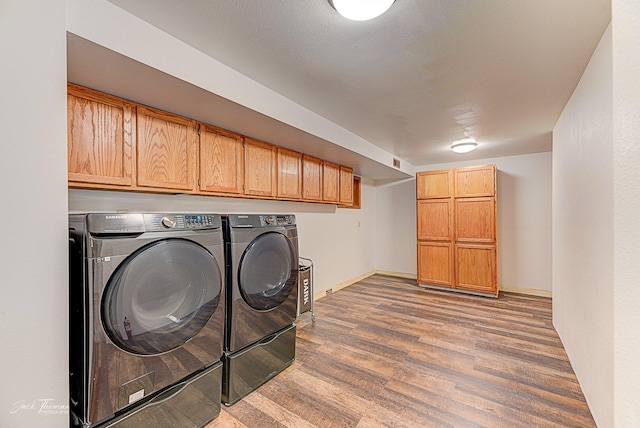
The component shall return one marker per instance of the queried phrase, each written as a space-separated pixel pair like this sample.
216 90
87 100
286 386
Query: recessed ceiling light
361 10
464 146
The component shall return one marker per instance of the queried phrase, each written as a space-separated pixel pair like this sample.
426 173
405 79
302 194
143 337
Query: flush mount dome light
361 10
464 146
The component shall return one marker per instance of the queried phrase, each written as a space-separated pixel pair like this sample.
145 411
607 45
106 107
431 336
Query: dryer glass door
268 271
161 296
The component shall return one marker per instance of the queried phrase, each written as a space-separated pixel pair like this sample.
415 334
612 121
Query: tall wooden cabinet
456 228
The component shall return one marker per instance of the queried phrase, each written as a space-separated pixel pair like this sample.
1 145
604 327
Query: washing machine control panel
277 220
201 221
255 220
132 223
156 222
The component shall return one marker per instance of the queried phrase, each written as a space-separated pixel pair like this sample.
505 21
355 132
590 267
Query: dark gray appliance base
252 366
193 402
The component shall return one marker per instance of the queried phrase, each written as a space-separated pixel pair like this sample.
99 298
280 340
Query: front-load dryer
262 295
146 318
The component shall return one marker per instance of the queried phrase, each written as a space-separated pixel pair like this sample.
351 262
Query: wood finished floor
387 353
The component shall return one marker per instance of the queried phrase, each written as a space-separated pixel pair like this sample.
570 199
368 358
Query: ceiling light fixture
464 146
361 10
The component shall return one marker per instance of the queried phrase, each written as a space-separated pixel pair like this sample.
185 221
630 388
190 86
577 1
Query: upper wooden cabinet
311 178
330 182
221 161
166 146
475 181
346 185
434 184
259 168
289 166
100 136
114 143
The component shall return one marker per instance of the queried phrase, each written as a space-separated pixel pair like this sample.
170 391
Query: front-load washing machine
262 293
146 319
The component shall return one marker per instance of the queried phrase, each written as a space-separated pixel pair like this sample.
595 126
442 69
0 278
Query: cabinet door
166 150
475 181
346 185
476 268
221 160
476 220
259 168
434 184
99 138
435 263
330 182
435 220
311 178
289 174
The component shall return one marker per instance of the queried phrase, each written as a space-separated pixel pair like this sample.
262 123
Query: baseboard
320 294
397 274
527 291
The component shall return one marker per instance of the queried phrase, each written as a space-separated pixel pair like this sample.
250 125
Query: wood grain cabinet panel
434 220
346 185
221 161
476 268
289 174
118 144
330 182
475 220
434 184
476 181
311 178
166 147
259 168
100 134
435 263
463 218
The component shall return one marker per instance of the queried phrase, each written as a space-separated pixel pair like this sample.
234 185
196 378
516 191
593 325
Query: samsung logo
115 217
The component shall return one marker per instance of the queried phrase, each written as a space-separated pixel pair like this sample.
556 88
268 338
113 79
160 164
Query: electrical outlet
329 291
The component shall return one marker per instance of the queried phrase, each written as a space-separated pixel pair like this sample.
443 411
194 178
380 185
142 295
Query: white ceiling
417 78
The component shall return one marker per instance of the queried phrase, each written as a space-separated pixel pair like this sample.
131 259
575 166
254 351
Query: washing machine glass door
161 296
268 271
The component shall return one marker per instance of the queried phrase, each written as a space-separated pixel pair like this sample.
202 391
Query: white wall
626 203
583 207
339 241
396 227
524 222
33 248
